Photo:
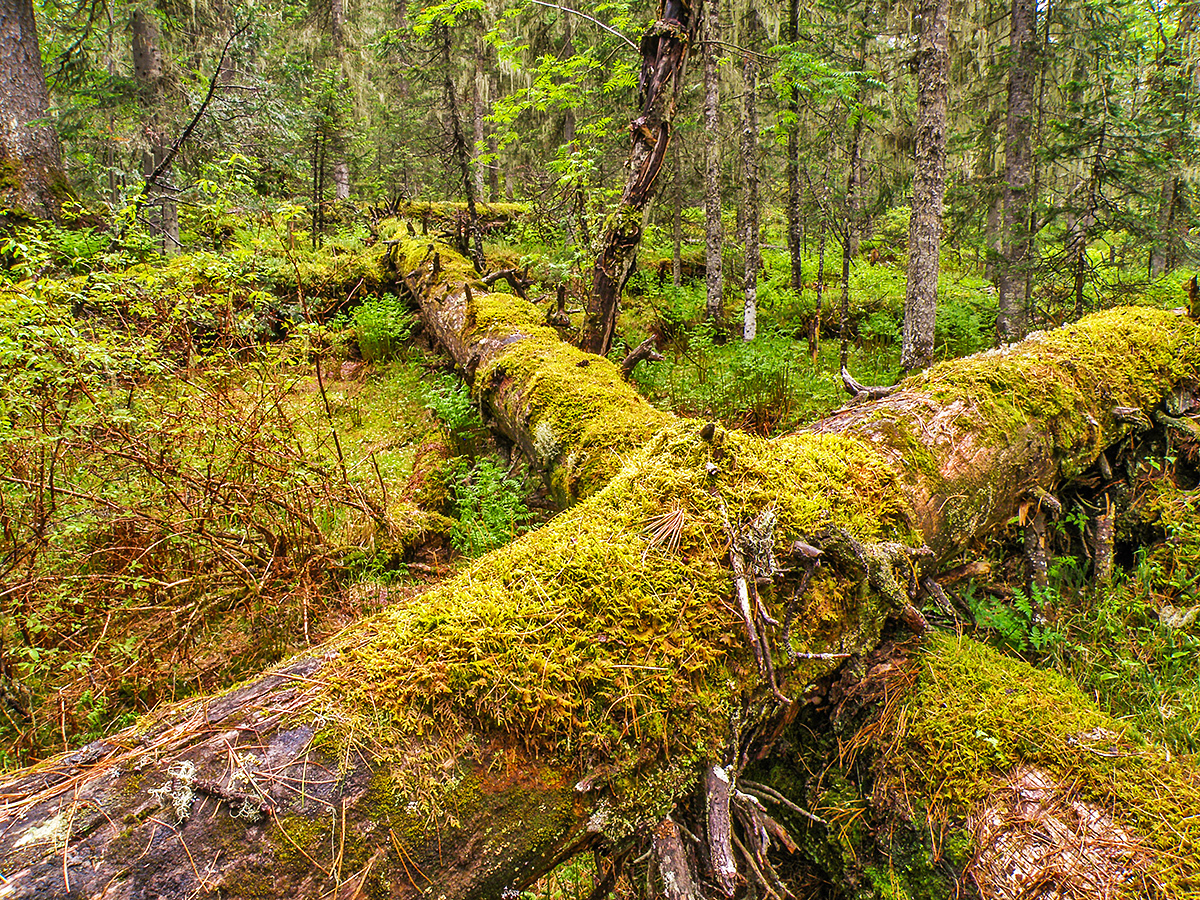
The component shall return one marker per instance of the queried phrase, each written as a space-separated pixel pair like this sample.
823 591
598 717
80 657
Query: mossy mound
602 643
943 768
979 724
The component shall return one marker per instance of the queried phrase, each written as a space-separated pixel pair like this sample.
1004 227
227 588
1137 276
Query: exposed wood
861 391
720 846
646 350
517 279
1104 529
664 50
420 732
1133 416
1035 549
674 867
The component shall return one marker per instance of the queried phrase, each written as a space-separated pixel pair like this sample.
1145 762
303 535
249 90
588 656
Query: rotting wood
862 392
646 350
720 846
664 50
470 794
1103 528
674 867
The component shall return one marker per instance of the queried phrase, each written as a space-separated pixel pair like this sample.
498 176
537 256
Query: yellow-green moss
588 641
976 714
1076 375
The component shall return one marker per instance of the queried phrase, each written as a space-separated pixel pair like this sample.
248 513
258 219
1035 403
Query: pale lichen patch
53 831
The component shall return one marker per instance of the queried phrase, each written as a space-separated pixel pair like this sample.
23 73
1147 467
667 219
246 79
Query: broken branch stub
437 744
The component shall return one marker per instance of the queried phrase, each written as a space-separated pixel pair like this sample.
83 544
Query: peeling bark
664 50
414 753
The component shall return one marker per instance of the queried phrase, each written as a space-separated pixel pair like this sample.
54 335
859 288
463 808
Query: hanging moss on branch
575 689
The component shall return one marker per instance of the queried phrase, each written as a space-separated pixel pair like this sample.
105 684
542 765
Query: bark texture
714 228
149 75
1012 316
461 744
750 242
794 224
664 49
31 176
929 187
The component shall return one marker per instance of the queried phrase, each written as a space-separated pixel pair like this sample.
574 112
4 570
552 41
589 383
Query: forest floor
213 461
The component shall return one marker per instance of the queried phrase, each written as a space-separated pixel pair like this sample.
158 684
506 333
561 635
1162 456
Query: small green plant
1018 624
449 399
489 507
382 326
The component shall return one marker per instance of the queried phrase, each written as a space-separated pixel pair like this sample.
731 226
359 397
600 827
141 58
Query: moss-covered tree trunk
31 175
577 688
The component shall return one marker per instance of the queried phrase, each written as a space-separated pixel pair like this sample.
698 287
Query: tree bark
714 228
664 50
562 693
750 238
677 223
460 152
31 173
929 187
794 223
337 137
1012 315
148 73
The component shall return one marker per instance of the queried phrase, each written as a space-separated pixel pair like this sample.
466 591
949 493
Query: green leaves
488 505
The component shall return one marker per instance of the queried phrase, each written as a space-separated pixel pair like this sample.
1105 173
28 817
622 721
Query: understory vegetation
212 461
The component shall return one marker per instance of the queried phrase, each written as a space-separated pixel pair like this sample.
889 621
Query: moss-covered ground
146 397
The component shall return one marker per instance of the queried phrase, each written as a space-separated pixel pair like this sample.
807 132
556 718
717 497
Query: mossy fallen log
573 690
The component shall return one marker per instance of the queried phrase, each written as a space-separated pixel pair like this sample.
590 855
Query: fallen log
571 691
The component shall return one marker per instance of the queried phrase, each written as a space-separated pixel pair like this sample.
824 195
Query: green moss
589 641
296 838
975 715
10 174
1073 375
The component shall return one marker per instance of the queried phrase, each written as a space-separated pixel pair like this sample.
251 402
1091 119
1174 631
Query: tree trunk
750 239
479 107
794 220
664 49
572 690
148 73
814 325
1079 230
677 223
473 238
854 177
714 229
929 187
1012 315
31 174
